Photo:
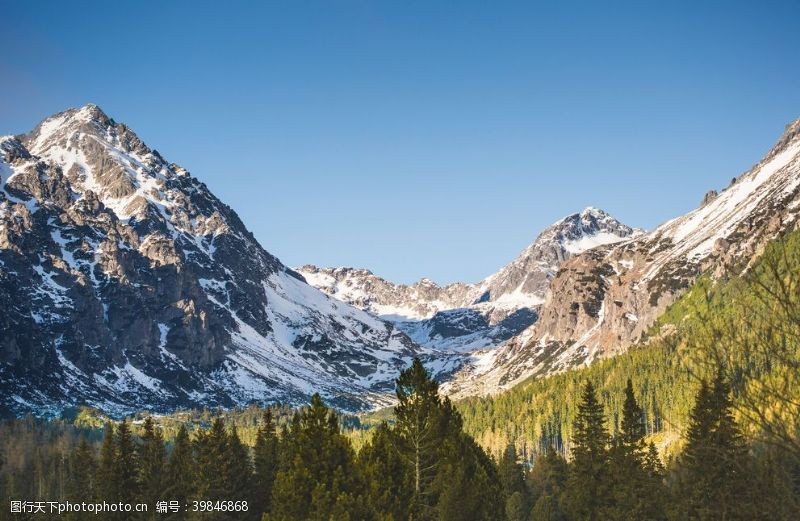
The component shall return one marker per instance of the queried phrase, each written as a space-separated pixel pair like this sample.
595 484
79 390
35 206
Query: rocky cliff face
463 317
603 300
126 284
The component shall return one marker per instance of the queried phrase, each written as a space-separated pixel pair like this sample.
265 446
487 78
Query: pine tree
546 509
152 460
388 476
512 480
420 429
238 470
320 477
467 485
126 468
212 448
266 463
547 479
587 496
652 463
106 488
713 478
180 473
81 482
635 495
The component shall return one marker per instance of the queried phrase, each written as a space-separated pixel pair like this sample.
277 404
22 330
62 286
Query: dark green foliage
180 473
420 430
321 480
265 455
512 479
126 470
548 477
237 471
211 448
633 471
586 496
152 462
81 483
106 482
715 478
388 476
451 476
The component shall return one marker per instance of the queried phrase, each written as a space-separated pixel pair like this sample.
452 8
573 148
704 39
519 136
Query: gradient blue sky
421 138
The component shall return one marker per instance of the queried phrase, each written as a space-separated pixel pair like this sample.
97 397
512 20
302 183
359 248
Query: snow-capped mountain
463 317
604 299
126 284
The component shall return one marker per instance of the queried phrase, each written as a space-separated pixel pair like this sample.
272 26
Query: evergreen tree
81 482
632 430
388 476
713 476
212 477
180 473
652 463
265 462
634 493
512 480
587 496
126 468
238 479
152 460
467 485
546 509
451 477
420 429
547 479
106 488
321 478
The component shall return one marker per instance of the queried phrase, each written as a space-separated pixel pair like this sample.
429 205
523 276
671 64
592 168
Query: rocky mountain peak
134 286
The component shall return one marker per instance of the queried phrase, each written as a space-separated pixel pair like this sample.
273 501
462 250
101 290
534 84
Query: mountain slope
603 300
126 284
463 317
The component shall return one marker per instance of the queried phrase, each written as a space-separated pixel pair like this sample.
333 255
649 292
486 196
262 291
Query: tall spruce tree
126 465
512 479
451 476
388 475
420 429
238 470
714 481
152 460
81 482
265 462
211 446
586 497
106 488
546 481
634 494
321 480
180 474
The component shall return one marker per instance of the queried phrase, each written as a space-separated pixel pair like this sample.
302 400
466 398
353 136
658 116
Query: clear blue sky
421 138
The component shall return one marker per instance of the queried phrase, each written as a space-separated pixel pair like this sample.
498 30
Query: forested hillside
748 327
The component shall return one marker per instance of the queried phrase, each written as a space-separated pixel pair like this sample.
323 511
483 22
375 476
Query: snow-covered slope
126 284
604 299
463 317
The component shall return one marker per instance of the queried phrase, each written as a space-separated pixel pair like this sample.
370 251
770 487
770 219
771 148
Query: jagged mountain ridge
126 284
463 317
604 300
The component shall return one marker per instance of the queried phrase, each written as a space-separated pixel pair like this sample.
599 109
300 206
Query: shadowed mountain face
126 284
